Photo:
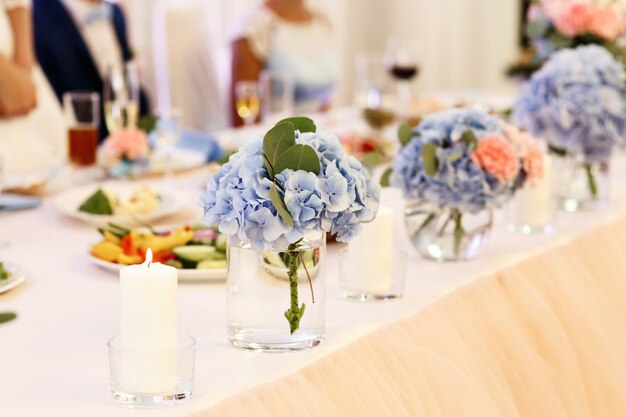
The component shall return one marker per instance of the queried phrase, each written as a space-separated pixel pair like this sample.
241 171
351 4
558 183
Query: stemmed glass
401 63
121 97
166 134
248 103
374 92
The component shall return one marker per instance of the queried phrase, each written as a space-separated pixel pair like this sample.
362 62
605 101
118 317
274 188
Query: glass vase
276 298
447 234
581 185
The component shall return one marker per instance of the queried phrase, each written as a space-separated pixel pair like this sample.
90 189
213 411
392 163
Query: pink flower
495 155
607 22
130 143
528 149
571 17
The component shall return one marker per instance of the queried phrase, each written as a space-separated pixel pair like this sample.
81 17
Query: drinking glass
82 113
374 92
121 97
401 63
277 96
248 101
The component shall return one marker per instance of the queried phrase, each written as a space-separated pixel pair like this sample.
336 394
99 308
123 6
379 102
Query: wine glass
248 104
401 63
166 135
374 92
277 96
121 97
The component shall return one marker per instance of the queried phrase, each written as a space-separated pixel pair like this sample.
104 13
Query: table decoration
456 167
371 268
144 358
552 25
10 276
533 207
276 198
125 152
577 103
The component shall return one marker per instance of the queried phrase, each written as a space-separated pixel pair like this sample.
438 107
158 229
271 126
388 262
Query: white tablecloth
53 358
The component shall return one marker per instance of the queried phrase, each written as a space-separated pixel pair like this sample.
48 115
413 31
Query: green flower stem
591 180
458 231
294 313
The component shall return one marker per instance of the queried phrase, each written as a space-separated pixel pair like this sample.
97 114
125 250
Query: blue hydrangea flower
577 103
459 183
338 200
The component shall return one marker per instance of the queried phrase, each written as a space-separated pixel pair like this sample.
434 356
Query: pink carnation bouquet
579 17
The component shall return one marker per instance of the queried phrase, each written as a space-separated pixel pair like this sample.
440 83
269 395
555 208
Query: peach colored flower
495 155
571 17
528 149
607 22
131 143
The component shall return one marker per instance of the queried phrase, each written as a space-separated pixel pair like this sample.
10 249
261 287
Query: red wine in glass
403 72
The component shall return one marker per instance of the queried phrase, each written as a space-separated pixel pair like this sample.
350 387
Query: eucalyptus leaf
470 139
270 168
537 28
5 317
280 206
405 134
429 158
276 141
303 124
457 154
386 177
298 157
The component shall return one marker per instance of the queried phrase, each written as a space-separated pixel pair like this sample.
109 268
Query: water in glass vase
265 289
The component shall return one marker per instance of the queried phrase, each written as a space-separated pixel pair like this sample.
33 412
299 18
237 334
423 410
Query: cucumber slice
194 253
212 264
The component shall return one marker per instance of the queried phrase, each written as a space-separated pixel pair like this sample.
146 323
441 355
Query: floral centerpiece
577 103
558 24
275 192
456 165
123 149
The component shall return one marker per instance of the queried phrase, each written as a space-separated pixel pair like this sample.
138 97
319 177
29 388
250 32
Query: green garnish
4 274
4 317
98 203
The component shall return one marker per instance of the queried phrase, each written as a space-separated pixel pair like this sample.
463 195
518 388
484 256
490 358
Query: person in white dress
286 36
32 130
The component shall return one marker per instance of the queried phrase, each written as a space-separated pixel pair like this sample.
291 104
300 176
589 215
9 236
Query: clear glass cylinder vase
581 185
447 234
277 297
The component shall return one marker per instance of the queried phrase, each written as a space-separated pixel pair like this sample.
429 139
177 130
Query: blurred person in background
77 41
32 133
286 36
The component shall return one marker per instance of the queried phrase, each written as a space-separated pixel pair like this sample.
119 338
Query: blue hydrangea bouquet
460 161
293 181
577 103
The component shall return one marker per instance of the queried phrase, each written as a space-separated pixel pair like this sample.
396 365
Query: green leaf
277 140
405 134
384 180
455 155
298 157
303 124
4 274
470 139
429 158
372 159
280 206
148 123
5 317
270 168
98 203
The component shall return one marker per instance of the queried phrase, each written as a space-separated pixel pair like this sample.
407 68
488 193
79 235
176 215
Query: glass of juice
82 112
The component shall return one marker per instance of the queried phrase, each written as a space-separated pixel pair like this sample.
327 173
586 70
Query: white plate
189 275
179 160
69 201
16 278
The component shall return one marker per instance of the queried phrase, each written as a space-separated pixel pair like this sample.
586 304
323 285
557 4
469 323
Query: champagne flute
121 97
248 101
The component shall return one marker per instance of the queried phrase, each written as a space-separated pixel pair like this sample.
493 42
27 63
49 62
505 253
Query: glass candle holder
152 378
360 281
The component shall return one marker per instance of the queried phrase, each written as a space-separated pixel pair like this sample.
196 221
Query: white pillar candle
533 205
372 255
148 326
